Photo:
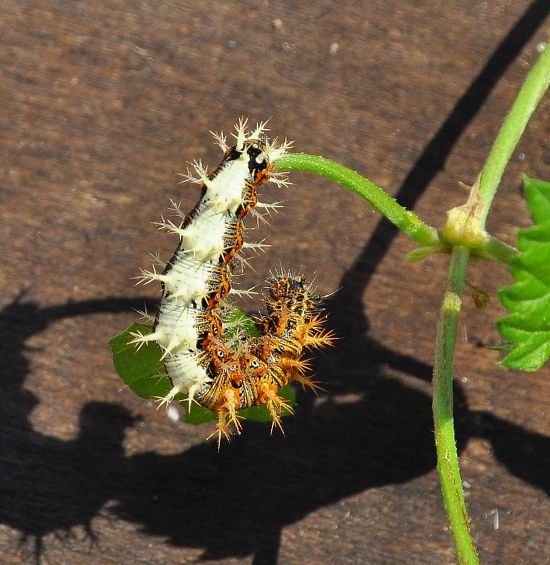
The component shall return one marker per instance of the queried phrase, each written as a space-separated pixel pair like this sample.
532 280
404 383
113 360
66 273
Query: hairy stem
497 249
530 94
447 457
405 220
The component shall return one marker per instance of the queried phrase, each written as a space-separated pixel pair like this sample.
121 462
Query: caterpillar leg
274 403
228 419
223 429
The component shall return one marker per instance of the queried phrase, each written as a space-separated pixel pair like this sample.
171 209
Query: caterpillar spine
204 363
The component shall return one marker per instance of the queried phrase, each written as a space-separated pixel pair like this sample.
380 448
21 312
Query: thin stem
447 457
404 219
407 221
491 249
498 249
530 94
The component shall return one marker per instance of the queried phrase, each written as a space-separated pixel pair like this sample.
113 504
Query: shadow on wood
235 503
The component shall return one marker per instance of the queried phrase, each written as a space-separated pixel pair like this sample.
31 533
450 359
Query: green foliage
527 326
199 415
261 413
143 371
238 319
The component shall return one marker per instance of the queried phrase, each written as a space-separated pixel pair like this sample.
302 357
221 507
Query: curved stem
447 457
404 219
430 238
530 94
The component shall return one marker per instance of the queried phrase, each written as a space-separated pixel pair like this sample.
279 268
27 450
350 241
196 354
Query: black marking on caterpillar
224 373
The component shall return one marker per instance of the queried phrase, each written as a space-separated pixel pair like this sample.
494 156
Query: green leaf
242 321
143 371
538 196
201 415
261 413
527 327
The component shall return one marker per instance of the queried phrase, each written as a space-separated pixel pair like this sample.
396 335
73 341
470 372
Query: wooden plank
102 104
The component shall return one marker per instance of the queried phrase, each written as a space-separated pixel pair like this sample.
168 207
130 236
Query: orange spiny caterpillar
197 279
204 362
253 377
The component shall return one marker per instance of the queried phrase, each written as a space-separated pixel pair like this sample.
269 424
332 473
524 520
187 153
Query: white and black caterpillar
205 364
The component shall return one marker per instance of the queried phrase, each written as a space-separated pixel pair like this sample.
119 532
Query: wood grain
101 104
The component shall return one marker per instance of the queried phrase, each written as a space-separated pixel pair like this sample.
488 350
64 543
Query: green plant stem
498 249
405 220
447 457
491 249
530 94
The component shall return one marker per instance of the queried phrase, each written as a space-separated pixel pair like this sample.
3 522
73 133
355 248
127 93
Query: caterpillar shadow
370 431
49 485
234 503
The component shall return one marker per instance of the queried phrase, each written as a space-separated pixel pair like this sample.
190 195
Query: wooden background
101 104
